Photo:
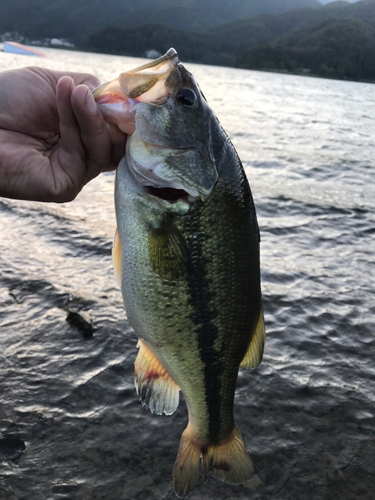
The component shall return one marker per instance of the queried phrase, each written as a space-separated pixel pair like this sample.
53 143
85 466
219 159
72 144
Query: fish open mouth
168 194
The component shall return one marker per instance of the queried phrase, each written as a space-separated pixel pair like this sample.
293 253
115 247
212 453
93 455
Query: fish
186 256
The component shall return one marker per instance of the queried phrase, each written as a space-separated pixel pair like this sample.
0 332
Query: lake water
306 414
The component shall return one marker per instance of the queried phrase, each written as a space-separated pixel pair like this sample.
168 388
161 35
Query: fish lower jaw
172 200
170 195
167 193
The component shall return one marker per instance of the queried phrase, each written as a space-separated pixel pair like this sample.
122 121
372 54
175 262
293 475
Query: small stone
12 448
81 321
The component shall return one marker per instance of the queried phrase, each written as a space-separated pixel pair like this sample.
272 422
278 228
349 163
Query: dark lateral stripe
200 297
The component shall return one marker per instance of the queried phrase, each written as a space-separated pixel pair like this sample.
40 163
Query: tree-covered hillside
335 40
207 48
78 19
338 48
136 42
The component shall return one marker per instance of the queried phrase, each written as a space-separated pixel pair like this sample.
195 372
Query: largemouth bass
186 255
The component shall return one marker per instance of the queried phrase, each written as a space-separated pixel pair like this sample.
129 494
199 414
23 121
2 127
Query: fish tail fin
186 468
228 460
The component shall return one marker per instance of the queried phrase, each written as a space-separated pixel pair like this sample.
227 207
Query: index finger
93 130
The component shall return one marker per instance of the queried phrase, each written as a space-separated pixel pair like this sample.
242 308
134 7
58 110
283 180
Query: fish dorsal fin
155 388
116 256
254 354
168 252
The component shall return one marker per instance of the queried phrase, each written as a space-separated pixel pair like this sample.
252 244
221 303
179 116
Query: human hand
53 138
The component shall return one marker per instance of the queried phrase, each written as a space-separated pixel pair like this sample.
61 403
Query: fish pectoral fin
116 256
168 253
228 460
254 353
157 391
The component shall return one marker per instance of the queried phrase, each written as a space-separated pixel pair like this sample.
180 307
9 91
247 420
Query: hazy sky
329 1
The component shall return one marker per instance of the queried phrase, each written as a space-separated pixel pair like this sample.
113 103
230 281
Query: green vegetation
335 48
192 47
319 41
267 58
78 19
333 41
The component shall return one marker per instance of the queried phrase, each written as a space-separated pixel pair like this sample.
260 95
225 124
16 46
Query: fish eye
187 97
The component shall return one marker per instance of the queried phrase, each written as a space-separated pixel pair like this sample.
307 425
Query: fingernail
90 102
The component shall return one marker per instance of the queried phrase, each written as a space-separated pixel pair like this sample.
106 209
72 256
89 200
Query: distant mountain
78 19
335 40
335 48
220 46
194 47
223 44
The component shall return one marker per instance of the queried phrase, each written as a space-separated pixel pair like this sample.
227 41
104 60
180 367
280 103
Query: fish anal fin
156 389
228 460
168 252
254 353
116 256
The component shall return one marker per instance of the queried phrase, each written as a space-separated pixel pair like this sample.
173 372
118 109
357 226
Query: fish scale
187 258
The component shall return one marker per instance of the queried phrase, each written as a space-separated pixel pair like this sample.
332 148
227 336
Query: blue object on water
18 48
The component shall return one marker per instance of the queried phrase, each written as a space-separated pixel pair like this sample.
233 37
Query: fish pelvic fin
254 353
156 389
227 460
116 256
